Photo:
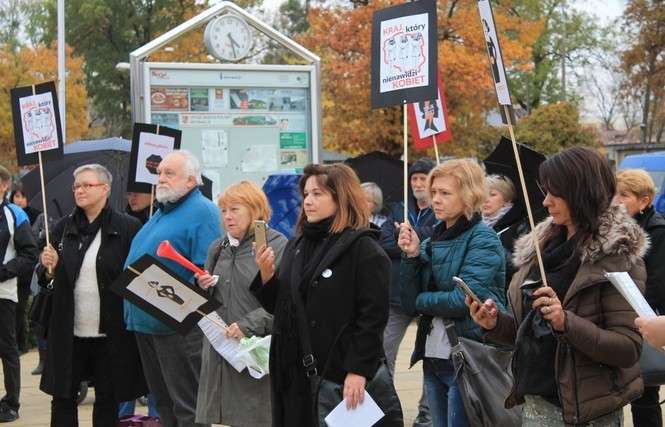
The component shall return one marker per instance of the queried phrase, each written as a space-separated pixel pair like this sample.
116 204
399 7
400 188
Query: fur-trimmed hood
618 234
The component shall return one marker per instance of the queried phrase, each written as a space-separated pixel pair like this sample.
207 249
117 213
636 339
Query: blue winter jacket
476 256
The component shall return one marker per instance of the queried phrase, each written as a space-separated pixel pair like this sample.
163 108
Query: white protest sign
152 149
404 53
38 122
494 52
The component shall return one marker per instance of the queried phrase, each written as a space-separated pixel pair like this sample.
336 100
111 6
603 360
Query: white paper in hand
226 347
627 287
365 415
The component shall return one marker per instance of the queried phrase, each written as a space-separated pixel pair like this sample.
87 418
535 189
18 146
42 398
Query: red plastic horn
165 250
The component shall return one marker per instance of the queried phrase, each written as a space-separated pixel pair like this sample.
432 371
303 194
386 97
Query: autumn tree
555 127
341 37
27 65
644 64
104 32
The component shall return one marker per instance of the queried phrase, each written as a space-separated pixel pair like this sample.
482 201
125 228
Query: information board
242 123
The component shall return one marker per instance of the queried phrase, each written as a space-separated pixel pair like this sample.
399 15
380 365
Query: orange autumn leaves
30 65
342 38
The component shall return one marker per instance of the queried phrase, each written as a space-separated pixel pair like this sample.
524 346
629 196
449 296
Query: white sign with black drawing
152 150
494 52
38 120
166 294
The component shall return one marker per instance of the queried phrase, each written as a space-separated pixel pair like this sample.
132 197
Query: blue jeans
443 395
127 408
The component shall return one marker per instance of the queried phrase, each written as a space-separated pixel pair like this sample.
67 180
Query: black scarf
87 230
561 262
315 242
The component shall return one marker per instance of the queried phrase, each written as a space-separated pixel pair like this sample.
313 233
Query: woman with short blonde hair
461 246
226 396
470 178
636 190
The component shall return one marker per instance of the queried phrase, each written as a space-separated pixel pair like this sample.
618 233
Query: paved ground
35 405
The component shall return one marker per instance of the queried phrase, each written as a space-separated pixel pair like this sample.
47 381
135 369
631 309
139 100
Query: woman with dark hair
340 274
586 367
19 197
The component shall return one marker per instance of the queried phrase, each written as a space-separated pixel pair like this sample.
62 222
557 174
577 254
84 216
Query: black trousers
11 365
21 312
646 410
89 361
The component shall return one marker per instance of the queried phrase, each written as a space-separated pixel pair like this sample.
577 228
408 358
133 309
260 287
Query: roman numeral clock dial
228 38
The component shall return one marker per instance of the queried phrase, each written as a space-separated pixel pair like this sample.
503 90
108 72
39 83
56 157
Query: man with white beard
190 222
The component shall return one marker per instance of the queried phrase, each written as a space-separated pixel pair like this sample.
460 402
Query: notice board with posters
241 121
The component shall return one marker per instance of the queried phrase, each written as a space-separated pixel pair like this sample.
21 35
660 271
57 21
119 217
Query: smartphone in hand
466 289
260 233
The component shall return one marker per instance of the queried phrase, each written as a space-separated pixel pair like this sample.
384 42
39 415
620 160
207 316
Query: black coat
349 287
117 232
654 224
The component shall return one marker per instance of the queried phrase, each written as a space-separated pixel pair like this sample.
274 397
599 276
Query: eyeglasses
85 187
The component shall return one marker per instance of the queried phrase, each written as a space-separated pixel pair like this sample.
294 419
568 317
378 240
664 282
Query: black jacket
654 224
117 232
349 287
24 243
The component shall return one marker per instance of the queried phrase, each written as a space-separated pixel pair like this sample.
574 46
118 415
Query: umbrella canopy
382 169
501 161
113 153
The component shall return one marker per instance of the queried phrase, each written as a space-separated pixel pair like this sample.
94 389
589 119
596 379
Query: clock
228 37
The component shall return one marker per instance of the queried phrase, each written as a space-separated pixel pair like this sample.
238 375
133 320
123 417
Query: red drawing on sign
40 123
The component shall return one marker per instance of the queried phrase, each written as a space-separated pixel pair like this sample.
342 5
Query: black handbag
40 311
328 394
485 380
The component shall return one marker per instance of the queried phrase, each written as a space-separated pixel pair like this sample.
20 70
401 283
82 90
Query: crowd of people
338 297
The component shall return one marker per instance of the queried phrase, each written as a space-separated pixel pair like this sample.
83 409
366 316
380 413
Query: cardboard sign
428 118
404 54
160 292
150 144
37 126
497 68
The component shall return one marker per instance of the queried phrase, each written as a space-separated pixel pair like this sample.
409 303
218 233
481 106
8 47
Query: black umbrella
113 153
382 169
501 161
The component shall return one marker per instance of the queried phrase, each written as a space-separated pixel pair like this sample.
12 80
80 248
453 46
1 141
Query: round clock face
228 37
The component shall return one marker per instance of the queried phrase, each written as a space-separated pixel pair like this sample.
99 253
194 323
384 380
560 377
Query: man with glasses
190 222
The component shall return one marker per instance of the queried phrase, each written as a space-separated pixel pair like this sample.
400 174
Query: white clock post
228 37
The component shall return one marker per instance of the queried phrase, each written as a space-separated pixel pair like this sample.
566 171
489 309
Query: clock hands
233 44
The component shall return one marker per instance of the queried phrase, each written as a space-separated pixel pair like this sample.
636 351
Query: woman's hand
408 240
265 259
354 390
550 306
233 331
49 258
205 281
652 329
484 315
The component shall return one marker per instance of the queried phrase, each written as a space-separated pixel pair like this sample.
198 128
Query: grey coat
226 396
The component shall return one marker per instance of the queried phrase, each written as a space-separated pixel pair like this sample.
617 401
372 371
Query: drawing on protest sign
157 290
37 126
150 144
404 54
429 120
497 68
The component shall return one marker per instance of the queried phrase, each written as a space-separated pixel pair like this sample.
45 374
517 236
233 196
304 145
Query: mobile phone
259 233
466 289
